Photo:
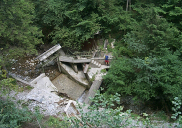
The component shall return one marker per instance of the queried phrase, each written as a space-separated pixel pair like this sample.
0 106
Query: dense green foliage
152 63
18 34
154 66
103 113
17 29
73 22
11 116
148 39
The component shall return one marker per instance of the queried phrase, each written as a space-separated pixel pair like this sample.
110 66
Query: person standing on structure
106 59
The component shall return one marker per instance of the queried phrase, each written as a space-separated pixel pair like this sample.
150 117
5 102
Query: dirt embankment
27 68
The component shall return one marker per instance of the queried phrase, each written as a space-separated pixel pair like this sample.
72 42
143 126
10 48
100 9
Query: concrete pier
91 93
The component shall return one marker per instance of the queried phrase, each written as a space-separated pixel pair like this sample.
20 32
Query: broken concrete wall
71 77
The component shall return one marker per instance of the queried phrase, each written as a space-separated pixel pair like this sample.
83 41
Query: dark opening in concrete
79 66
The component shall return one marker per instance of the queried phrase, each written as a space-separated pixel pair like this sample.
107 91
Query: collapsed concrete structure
82 67
85 72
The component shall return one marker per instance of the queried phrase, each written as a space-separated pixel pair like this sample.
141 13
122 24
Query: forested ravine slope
147 47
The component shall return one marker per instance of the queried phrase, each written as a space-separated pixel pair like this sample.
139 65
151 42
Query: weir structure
89 76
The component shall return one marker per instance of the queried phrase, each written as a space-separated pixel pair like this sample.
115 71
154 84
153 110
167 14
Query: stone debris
44 96
42 91
71 108
25 68
62 102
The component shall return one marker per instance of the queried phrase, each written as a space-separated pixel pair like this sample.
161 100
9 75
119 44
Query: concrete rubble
44 96
44 92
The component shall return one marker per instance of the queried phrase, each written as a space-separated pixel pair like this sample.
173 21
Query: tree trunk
127 5
130 4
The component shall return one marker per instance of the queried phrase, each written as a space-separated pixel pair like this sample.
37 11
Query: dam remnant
81 67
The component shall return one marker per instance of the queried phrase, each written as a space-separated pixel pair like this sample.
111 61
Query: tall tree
154 66
173 12
72 23
17 33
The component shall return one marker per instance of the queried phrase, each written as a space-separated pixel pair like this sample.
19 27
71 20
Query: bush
11 116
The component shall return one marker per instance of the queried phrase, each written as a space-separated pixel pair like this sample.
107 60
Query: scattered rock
26 73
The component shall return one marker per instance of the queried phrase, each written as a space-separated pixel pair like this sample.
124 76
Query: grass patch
93 78
134 116
28 87
103 71
160 115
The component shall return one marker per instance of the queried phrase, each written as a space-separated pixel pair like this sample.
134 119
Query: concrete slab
97 73
65 85
80 76
43 96
42 93
72 60
48 52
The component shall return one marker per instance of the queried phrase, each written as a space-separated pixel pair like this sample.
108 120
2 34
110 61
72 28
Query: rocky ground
26 68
